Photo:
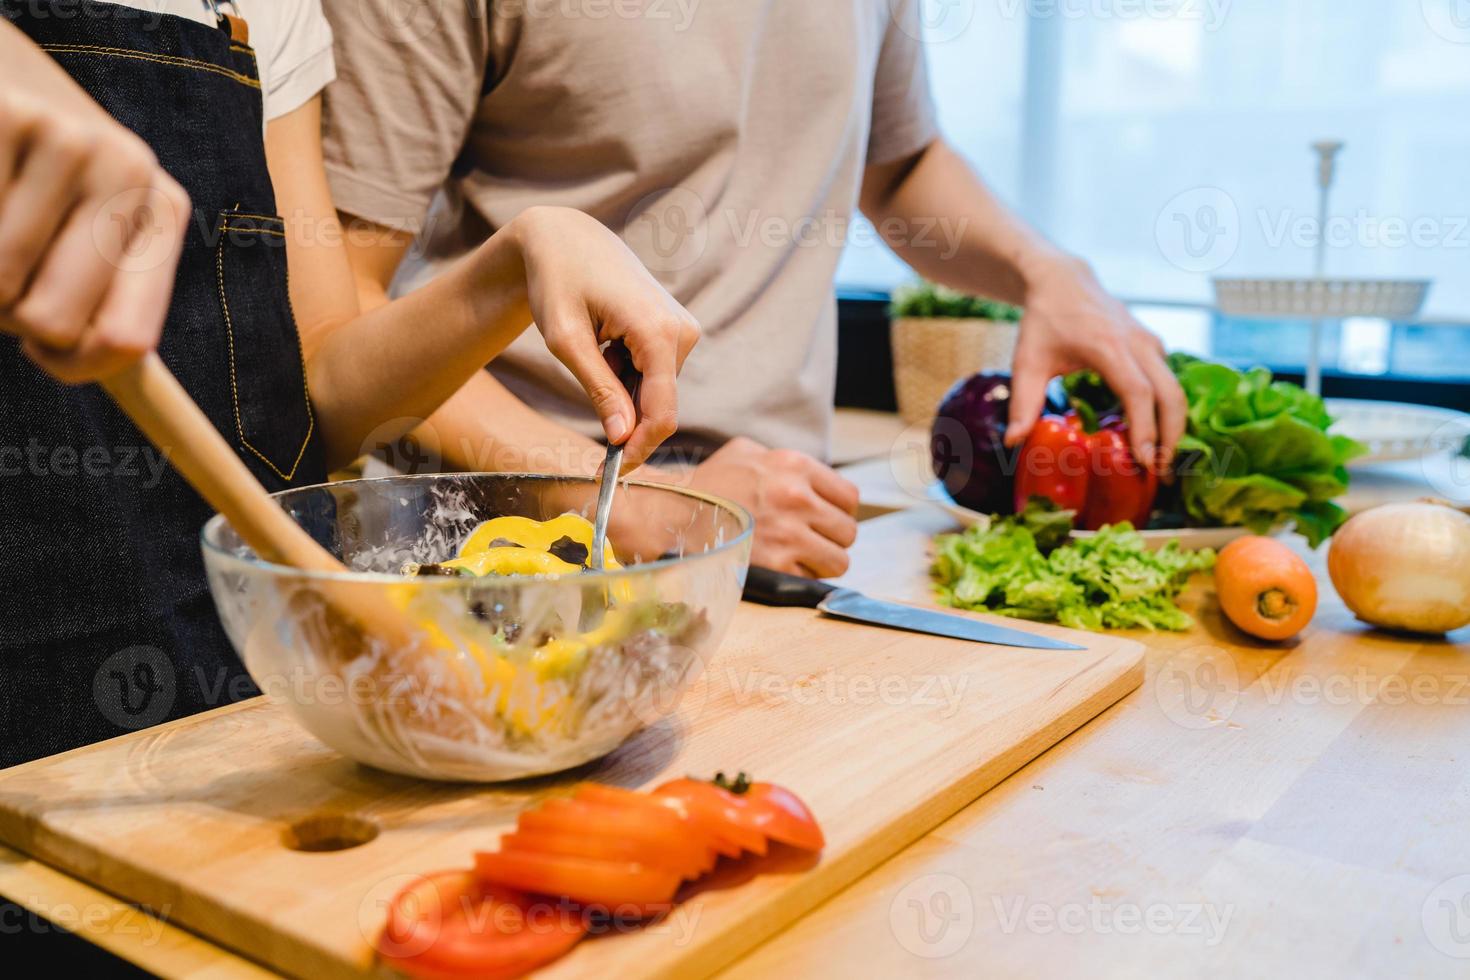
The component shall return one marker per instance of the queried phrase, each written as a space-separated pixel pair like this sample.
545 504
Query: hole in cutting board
329 832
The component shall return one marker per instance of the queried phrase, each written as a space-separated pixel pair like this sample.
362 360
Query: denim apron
106 624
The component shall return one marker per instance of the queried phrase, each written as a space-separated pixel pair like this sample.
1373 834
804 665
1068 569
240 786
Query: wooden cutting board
885 734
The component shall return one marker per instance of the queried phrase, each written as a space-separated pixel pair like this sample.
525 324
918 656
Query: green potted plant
941 336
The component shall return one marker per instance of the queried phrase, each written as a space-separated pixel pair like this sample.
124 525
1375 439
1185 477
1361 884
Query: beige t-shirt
724 140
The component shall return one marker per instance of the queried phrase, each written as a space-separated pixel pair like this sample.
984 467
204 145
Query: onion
1405 566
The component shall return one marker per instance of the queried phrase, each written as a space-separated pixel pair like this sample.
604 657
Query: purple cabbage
967 444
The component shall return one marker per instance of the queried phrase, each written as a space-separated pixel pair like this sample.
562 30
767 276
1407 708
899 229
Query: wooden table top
1253 809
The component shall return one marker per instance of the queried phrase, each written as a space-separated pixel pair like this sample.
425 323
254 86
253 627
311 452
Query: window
1168 142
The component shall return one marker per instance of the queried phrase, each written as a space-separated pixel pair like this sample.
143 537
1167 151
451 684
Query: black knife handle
772 588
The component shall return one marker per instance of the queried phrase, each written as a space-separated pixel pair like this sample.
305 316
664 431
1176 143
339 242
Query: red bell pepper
1054 463
1092 473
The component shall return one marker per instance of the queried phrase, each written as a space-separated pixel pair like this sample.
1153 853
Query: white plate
1396 430
1192 538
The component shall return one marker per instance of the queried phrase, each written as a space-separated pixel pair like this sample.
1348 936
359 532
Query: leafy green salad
1025 566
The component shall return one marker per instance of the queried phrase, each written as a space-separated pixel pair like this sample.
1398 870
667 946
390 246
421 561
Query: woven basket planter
930 354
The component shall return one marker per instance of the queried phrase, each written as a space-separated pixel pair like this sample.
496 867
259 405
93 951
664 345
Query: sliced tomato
725 838
661 830
610 795
450 925
782 816
762 809
699 826
735 823
615 885
604 847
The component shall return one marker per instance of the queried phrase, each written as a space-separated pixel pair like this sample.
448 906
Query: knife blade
772 588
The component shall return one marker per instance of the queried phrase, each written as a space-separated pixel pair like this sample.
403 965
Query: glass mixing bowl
496 677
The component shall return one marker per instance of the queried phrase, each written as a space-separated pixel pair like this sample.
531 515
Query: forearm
404 359
1070 321
937 214
583 288
484 427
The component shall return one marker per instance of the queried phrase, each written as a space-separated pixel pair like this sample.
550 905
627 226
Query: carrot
1265 588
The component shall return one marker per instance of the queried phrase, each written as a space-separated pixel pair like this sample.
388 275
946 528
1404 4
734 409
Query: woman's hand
585 287
90 224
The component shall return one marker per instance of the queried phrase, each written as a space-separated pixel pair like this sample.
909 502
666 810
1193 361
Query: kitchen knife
772 588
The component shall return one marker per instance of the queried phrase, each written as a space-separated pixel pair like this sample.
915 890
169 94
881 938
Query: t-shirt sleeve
903 109
409 82
300 57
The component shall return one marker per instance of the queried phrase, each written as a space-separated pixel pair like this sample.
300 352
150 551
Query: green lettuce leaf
1108 580
1258 452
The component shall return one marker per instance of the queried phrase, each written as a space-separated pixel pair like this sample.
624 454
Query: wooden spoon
152 397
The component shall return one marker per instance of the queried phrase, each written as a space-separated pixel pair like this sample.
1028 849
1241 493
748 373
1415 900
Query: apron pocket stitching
219 263
252 231
271 219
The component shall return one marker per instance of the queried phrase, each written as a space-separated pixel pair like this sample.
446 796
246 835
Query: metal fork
613 463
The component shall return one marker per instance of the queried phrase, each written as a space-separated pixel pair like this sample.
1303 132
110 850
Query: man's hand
804 512
585 287
90 224
1071 323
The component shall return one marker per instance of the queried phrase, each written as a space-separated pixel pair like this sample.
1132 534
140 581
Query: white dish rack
1332 299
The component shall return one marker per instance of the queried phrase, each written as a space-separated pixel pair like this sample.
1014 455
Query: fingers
813 519
658 346
38 199
803 509
801 551
576 267
11 137
129 319
814 496
820 558
71 281
658 397
1030 375
840 492
1172 407
572 340
74 187
835 525
1132 386
685 331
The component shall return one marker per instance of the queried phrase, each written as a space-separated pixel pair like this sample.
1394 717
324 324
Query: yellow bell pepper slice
513 561
526 708
532 535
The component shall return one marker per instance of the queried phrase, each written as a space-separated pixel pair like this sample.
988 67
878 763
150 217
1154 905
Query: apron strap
235 24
